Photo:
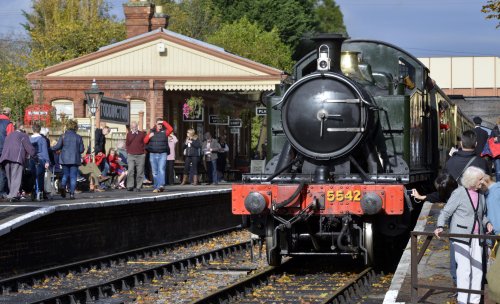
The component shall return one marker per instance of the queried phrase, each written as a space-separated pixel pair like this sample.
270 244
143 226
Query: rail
416 257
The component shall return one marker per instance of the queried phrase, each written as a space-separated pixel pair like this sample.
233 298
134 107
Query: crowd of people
142 158
472 207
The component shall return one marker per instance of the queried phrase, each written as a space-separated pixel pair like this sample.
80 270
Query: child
115 167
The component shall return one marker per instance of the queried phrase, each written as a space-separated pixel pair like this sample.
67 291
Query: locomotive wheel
368 242
273 255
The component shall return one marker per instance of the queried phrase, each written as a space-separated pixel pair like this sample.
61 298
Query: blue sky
425 27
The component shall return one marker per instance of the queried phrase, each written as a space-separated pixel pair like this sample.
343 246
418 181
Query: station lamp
93 96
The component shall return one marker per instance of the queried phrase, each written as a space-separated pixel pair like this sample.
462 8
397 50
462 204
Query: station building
151 74
472 82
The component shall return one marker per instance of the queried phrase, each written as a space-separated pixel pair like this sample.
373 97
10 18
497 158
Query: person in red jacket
116 168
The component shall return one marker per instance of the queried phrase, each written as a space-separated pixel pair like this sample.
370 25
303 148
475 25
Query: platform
433 269
13 215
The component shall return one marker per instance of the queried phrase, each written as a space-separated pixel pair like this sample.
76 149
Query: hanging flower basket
193 108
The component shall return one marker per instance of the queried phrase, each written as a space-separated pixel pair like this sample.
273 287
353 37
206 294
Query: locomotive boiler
357 125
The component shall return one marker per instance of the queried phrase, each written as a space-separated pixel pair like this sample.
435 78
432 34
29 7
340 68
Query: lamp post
93 96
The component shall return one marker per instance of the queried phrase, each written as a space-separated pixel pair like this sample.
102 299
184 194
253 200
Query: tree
291 18
329 17
251 41
193 18
15 91
65 29
492 9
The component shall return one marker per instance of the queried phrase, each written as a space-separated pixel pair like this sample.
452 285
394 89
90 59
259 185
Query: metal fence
418 253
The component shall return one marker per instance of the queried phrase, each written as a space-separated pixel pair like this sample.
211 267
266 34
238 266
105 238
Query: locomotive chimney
329 45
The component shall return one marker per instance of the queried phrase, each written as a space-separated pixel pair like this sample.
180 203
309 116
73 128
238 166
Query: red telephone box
39 113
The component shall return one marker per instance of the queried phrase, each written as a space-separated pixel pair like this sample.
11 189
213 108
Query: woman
39 164
71 146
444 183
116 168
192 147
466 207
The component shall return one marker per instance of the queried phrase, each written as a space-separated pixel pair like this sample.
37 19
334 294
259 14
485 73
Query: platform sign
218 120
260 111
234 131
257 166
235 123
115 110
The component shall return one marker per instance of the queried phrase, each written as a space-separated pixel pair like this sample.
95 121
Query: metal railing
416 257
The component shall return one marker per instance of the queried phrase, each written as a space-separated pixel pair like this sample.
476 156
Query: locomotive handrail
416 257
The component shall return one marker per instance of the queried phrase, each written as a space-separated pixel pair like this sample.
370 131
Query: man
459 160
158 148
136 157
100 147
16 148
210 147
6 127
481 135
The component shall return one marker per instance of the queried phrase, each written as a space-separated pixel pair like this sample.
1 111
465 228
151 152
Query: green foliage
249 40
65 29
329 17
257 122
15 91
193 18
290 18
492 9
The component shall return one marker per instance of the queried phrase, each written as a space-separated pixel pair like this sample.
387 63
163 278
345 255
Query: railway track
291 283
87 280
218 273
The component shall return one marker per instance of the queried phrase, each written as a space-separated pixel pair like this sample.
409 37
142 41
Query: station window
65 107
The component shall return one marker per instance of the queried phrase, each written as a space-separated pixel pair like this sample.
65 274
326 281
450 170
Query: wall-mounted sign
115 110
194 117
218 120
234 130
235 123
260 111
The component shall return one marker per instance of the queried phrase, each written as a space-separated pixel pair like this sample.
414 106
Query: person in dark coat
16 148
71 146
481 135
100 147
6 127
192 148
457 162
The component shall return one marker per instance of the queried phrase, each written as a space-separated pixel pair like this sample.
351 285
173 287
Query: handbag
486 150
494 147
47 181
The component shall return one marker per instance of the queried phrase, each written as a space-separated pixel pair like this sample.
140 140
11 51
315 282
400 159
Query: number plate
341 196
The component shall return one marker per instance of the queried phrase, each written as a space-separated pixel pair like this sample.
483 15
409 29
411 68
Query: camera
409 192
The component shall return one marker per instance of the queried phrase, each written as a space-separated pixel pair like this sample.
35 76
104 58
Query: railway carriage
359 124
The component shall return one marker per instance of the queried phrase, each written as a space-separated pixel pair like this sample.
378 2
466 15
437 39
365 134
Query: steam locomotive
359 124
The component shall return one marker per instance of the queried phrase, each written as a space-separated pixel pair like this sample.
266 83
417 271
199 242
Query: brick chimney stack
141 17
159 20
